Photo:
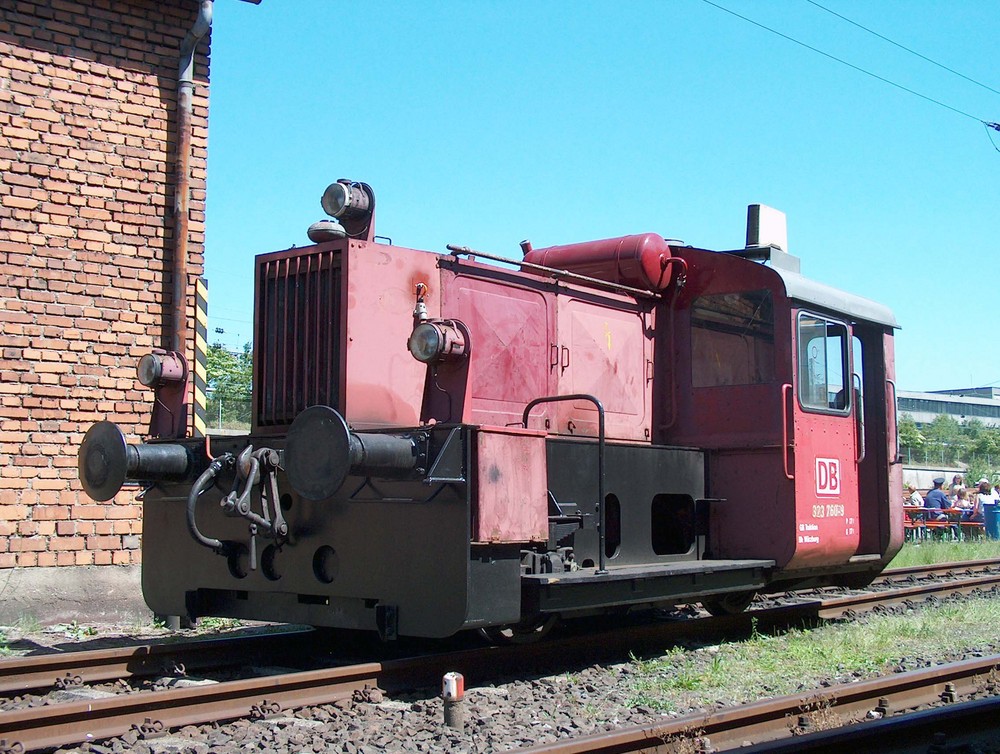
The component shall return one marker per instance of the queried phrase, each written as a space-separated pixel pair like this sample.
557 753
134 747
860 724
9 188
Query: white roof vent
766 227
768 234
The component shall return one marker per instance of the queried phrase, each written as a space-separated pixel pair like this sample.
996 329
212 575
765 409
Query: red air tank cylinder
639 261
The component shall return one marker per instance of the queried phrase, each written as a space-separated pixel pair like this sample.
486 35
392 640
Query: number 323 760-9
828 511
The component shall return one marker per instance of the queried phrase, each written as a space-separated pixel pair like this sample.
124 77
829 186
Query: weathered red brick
85 138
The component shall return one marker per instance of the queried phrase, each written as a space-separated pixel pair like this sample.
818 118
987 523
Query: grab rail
896 458
600 459
784 429
859 419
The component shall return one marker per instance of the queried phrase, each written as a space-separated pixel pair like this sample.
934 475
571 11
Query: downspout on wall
182 185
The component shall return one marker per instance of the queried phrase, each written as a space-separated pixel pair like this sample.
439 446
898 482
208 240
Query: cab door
822 414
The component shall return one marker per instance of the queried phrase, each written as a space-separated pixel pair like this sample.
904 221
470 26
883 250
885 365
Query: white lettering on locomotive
827 476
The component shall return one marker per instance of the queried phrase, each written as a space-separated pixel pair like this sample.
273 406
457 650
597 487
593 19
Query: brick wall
87 135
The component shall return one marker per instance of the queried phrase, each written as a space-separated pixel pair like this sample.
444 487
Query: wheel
520 633
728 604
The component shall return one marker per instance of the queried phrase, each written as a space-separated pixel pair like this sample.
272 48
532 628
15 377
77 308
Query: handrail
671 328
784 429
557 274
859 420
895 455
600 460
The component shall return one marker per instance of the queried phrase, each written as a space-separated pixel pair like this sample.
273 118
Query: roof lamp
345 199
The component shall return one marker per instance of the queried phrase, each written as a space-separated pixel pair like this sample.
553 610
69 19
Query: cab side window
824 365
732 339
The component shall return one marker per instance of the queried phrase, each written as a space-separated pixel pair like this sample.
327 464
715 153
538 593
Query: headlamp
346 200
434 341
159 367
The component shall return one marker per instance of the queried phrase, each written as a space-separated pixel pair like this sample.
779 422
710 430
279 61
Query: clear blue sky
484 123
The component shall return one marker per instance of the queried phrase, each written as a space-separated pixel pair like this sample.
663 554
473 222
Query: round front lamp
149 370
345 199
161 366
425 343
434 341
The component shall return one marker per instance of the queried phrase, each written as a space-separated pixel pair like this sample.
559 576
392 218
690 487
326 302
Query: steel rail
769 720
955 727
31 673
90 720
934 568
24 674
837 606
73 722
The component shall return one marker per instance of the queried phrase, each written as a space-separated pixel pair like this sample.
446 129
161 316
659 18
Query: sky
485 123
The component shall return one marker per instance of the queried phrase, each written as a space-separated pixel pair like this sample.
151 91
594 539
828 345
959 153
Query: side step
631 585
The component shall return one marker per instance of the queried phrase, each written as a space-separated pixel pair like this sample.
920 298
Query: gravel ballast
532 711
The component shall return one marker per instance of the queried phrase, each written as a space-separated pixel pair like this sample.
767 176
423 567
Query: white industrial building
982 403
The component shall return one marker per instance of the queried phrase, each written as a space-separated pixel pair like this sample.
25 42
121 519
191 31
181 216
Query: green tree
229 375
987 443
944 438
947 441
909 435
976 470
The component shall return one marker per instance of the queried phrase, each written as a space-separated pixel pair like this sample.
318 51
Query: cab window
824 365
732 339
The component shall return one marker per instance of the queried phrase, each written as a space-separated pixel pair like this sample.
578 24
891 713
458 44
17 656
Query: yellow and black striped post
200 355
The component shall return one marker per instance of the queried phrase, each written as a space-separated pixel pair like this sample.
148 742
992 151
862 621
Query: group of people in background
971 501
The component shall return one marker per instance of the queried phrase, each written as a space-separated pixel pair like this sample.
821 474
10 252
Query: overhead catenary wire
903 47
857 68
995 127
231 319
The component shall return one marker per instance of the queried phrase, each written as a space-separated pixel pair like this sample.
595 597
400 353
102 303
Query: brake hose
205 481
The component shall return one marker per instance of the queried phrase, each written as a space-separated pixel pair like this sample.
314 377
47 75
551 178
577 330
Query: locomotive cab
792 397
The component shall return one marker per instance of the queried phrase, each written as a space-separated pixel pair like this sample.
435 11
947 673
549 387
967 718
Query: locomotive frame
440 443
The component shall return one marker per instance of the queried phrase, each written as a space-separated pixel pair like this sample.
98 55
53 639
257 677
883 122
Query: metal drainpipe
182 181
182 190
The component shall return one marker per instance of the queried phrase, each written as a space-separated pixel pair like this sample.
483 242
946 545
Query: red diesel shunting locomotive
439 443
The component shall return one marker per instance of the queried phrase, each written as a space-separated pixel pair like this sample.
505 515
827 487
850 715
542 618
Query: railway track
88 719
815 722
72 669
59 670
939 569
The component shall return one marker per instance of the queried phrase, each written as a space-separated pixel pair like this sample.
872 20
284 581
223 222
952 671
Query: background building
951 432
88 245
982 403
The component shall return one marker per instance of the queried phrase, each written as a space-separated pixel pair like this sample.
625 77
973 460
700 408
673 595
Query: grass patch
764 666
929 553
28 624
212 623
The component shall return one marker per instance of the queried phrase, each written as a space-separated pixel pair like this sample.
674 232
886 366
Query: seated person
937 502
974 514
971 509
957 484
985 495
961 500
912 496
989 496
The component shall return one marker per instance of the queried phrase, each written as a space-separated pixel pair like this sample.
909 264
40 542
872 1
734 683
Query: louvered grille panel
298 336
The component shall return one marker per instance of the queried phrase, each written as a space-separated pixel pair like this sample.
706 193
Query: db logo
827 476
